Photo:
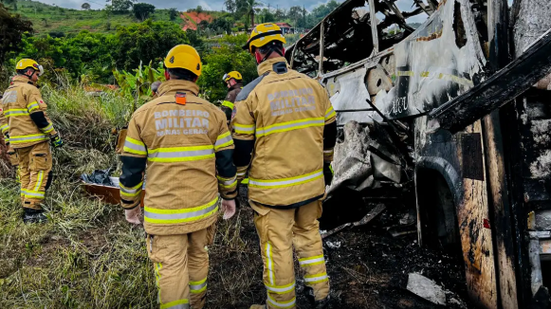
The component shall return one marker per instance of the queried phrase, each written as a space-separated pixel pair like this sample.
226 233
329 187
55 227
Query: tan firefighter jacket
24 114
280 119
185 143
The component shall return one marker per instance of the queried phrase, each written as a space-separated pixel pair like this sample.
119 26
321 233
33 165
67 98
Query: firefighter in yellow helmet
284 133
28 130
234 82
183 145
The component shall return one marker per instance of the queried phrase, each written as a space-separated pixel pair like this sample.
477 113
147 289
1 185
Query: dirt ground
368 268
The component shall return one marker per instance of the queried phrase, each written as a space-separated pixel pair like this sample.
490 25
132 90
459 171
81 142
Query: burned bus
461 96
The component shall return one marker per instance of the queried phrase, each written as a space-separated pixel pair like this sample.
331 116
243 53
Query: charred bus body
482 184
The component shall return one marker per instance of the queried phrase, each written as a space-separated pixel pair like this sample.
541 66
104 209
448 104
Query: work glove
133 215
327 173
56 141
228 207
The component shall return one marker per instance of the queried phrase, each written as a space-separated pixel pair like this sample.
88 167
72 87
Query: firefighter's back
180 133
289 111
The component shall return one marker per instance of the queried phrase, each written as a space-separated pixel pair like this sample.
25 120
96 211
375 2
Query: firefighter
28 130
188 150
284 133
234 82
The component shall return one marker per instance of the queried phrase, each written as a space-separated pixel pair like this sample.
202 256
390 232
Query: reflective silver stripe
223 142
33 106
311 261
131 191
47 129
288 304
4 128
180 216
35 194
227 182
28 138
241 173
289 126
269 263
39 181
139 149
329 112
315 279
181 154
290 181
16 113
281 289
198 286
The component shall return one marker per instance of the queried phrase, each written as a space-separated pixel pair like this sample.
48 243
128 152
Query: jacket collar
22 79
268 65
175 85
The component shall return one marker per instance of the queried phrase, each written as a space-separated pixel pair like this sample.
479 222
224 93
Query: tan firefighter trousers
181 265
35 167
279 231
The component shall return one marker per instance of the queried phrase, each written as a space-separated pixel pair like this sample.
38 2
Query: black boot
34 216
316 304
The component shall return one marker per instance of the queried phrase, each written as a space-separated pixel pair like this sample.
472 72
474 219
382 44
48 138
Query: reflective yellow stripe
177 304
317 278
16 112
131 192
158 267
269 262
47 129
228 104
311 261
39 181
28 138
134 146
223 140
286 182
282 289
243 129
330 113
32 106
290 126
286 304
245 181
181 154
227 183
175 216
197 287
4 128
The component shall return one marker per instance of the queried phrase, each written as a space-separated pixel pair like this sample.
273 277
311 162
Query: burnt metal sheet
471 149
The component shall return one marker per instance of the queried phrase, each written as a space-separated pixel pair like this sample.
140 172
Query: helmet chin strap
260 59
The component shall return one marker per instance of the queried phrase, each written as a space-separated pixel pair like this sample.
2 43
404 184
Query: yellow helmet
184 57
264 34
234 74
29 63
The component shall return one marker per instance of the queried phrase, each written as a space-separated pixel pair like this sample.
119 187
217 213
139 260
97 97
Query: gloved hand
7 138
56 141
327 173
133 215
228 207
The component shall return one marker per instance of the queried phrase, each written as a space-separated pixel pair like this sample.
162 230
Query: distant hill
54 20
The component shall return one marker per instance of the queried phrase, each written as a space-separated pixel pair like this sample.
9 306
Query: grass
48 19
87 255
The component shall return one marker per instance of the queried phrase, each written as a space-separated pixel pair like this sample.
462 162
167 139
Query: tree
295 13
10 2
142 11
266 16
230 6
85 6
12 28
173 13
248 7
121 6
